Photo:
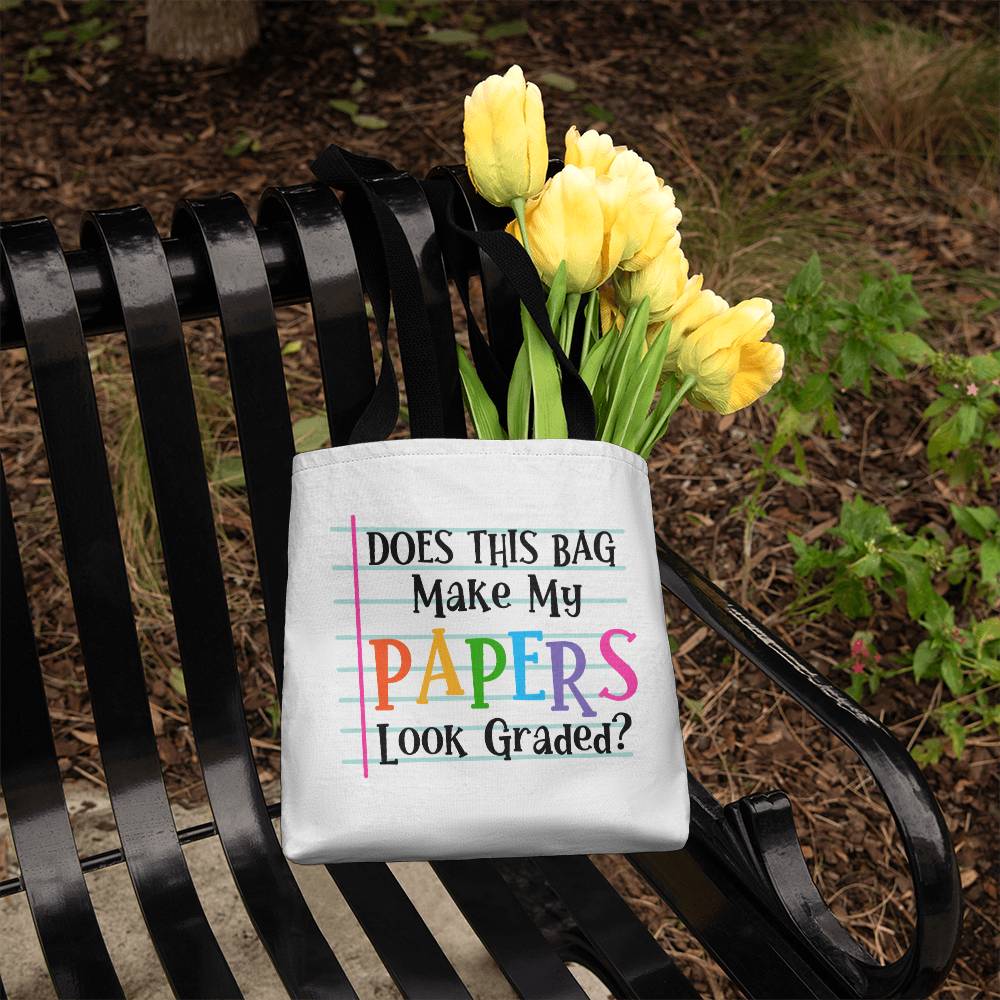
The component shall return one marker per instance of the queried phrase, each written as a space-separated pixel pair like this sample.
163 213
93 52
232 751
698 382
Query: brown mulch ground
690 87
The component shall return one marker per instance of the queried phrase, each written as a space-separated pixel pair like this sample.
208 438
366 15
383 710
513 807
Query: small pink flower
858 667
972 389
878 657
858 647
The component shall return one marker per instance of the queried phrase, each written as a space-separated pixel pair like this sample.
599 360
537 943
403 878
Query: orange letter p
381 647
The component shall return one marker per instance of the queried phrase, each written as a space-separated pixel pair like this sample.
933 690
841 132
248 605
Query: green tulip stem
568 321
589 318
630 316
518 205
682 391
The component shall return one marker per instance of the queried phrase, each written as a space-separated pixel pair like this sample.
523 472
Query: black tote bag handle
391 275
391 280
519 270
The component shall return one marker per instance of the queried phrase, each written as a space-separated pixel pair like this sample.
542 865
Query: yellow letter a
439 649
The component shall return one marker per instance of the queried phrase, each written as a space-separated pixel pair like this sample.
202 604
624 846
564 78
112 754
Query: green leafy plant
981 524
918 572
964 433
834 343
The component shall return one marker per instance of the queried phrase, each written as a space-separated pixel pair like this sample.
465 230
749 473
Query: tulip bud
727 359
592 149
506 151
573 220
663 280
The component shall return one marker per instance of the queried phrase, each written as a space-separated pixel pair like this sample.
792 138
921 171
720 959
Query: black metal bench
741 884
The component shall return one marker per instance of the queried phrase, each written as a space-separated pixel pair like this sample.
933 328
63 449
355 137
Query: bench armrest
763 823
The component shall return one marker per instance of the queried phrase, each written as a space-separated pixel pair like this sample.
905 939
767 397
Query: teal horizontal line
471 758
510 600
444 697
502 531
446 568
468 666
355 730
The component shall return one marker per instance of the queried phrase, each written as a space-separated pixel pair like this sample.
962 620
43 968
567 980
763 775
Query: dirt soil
692 88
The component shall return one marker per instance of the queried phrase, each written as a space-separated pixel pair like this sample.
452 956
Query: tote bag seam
502 454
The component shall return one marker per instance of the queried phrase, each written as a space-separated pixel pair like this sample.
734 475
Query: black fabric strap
519 269
390 274
493 377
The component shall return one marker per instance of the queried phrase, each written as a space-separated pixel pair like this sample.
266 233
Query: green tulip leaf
519 396
557 295
627 362
481 408
550 418
595 359
640 391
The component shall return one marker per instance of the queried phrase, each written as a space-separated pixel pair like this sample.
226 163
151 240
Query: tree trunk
210 31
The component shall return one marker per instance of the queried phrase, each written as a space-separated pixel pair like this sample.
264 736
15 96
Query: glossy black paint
130 245
761 825
741 883
67 410
97 303
64 918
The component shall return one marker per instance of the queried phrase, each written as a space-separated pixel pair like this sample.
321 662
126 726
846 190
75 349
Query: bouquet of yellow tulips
602 233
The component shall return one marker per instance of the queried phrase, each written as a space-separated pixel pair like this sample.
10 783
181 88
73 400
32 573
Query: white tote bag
476 661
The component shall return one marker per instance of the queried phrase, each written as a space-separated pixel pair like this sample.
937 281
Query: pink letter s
617 663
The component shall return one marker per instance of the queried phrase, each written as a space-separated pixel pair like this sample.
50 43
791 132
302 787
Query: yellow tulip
727 359
592 149
506 151
573 220
650 218
695 306
664 280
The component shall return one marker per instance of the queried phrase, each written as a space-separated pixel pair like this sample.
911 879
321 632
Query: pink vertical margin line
361 658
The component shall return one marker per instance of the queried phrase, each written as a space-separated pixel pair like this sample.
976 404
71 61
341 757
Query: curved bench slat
74 950
612 937
529 962
311 214
130 243
81 485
